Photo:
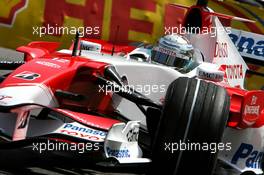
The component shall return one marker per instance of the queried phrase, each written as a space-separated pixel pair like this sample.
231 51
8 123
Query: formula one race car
186 91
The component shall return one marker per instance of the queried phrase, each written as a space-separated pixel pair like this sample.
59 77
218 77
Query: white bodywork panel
247 149
121 143
139 74
34 94
36 127
220 50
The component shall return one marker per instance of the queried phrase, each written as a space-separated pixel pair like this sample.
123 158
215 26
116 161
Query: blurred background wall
138 20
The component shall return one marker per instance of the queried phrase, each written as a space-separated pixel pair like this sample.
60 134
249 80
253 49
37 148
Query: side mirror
140 54
90 46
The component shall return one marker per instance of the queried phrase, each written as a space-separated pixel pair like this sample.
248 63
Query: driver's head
173 50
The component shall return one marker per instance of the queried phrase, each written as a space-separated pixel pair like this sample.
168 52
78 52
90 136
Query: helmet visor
170 58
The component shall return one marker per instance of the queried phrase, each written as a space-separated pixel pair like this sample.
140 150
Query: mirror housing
208 71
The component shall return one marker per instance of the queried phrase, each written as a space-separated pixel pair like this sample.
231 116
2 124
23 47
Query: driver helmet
173 50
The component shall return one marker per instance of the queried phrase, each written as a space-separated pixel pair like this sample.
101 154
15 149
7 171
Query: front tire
195 111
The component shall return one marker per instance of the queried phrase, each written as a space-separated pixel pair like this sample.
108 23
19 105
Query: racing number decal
26 75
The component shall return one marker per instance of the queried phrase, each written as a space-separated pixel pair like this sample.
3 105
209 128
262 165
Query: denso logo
247 153
9 10
248 45
221 50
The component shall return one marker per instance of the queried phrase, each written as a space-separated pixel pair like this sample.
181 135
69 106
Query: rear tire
195 111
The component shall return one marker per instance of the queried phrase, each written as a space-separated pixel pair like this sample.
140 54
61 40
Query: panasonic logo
248 155
84 129
248 43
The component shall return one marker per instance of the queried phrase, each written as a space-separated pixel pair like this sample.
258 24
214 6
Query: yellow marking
106 20
138 36
79 2
156 18
6 6
70 23
33 16
255 82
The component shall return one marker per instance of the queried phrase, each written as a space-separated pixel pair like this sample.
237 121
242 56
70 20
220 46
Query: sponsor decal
26 75
249 155
61 60
221 50
234 71
80 131
84 129
118 153
210 76
89 46
165 51
248 44
132 135
254 100
251 111
2 97
48 64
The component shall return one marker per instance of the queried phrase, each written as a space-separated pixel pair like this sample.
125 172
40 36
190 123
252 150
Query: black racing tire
194 111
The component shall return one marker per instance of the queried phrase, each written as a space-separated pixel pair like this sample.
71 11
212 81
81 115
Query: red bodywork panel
58 74
107 47
38 49
91 120
246 108
61 71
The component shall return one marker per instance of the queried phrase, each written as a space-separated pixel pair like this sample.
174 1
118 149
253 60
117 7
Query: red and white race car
195 115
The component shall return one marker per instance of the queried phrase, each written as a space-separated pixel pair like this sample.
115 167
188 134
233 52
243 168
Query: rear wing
206 33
